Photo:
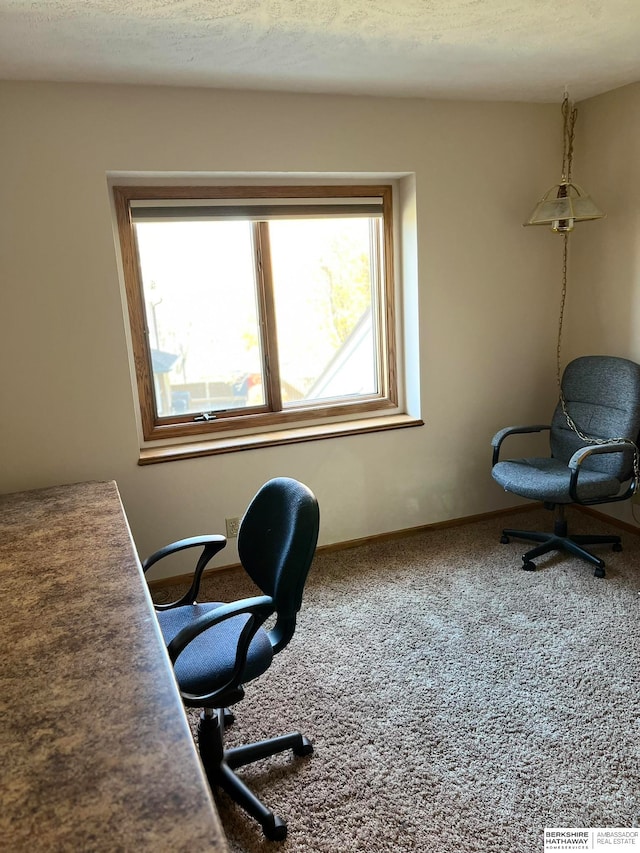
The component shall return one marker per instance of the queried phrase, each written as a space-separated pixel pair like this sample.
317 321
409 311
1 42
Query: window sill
233 444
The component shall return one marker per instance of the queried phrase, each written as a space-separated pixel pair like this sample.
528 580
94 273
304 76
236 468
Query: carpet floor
455 702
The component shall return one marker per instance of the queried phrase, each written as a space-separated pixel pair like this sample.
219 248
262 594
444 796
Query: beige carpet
456 703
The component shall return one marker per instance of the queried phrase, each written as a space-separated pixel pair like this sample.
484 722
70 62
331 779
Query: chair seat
547 479
207 662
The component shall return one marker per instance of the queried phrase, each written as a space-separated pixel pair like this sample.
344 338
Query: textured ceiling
526 50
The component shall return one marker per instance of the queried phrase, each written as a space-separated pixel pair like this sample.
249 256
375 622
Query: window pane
200 300
322 279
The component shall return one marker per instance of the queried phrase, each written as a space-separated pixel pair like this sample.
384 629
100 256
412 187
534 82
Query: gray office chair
586 467
216 648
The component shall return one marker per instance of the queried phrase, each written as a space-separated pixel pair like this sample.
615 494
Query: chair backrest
602 396
276 544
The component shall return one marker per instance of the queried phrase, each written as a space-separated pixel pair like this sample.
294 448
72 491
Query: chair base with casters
219 764
560 540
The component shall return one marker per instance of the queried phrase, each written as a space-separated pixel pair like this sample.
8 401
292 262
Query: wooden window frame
272 415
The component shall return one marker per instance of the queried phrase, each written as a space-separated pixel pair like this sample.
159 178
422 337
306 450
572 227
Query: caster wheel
528 566
617 546
599 572
228 716
275 829
504 539
305 748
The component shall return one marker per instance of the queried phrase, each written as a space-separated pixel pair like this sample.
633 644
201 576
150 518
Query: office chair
593 458
216 648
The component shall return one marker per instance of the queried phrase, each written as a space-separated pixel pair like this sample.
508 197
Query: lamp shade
562 206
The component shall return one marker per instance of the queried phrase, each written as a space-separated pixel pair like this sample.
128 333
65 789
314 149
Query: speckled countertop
95 751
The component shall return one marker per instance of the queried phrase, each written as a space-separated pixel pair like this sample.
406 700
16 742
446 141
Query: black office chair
588 463
216 648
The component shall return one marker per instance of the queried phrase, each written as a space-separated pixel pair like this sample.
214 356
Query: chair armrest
500 436
211 545
583 453
258 608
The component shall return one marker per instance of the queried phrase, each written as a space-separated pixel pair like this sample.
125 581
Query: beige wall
486 300
603 311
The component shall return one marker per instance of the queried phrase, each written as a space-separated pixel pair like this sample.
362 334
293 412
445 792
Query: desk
95 750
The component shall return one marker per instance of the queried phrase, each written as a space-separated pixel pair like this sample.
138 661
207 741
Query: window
255 308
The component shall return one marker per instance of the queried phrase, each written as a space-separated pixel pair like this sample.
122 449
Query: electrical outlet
233 525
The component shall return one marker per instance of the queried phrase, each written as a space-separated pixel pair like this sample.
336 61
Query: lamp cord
571 423
569 115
